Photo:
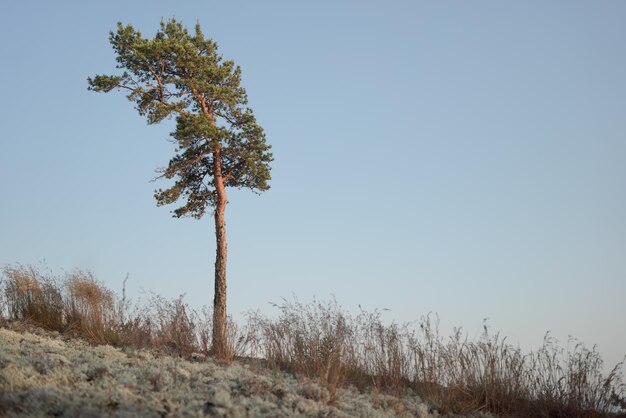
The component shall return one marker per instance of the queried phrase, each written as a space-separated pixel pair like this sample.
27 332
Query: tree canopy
181 74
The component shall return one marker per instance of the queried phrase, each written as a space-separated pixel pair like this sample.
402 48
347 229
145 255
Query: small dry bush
380 351
572 379
305 339
172 326
174 329
136 331
237 337
32 296
90 308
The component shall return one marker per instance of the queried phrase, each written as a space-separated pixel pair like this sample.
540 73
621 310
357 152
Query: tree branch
158 80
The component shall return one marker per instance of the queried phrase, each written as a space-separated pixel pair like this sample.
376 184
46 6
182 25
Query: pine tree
218 141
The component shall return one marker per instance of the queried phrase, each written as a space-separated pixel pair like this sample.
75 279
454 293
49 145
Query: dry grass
174 328
89 308
31 296
455 375
335 348
307 340
79 305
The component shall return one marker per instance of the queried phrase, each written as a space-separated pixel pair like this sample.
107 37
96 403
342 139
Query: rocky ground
43 374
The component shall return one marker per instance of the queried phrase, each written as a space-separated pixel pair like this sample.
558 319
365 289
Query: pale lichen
42 375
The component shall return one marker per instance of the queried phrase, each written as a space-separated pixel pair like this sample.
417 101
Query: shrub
31 296
90 308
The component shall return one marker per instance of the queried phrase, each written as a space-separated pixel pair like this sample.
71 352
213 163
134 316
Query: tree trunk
220 344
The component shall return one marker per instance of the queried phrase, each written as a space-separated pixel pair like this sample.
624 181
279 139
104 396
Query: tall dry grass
31 296
90 308
455 374
79 305
323 342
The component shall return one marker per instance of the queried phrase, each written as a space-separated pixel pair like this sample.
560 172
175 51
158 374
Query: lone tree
218 141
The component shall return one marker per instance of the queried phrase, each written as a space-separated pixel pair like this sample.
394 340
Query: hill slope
43 374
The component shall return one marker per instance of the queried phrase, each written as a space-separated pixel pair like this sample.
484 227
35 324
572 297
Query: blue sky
465 158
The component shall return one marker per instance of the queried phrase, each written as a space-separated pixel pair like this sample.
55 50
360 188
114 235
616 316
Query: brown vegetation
335 348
